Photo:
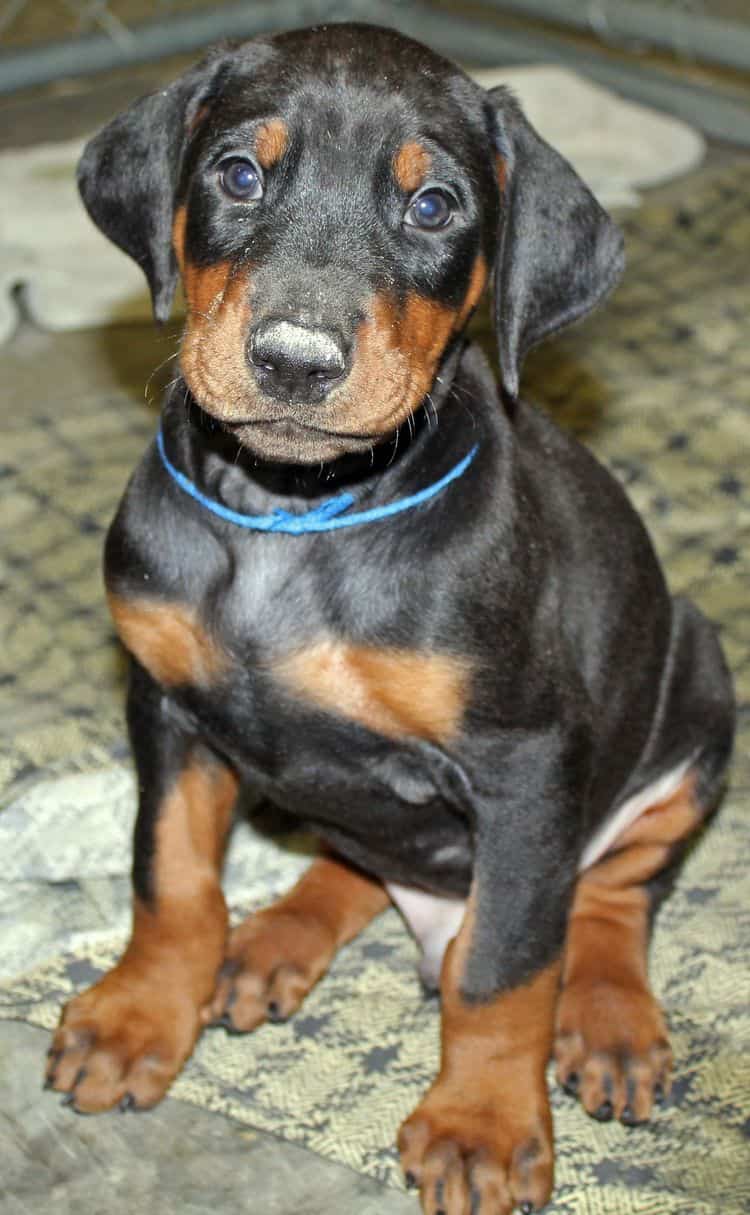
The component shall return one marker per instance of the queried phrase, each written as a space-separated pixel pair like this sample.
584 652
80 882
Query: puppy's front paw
612 1050
121 1043
479 1149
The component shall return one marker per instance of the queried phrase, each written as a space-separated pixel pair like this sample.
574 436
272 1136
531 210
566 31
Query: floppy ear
559 252
129 173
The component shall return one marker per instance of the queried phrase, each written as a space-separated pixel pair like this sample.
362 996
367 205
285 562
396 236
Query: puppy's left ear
129 173
559 252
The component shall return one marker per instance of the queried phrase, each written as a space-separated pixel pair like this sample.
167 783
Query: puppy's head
335 200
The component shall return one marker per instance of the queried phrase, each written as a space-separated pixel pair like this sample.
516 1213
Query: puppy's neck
226 471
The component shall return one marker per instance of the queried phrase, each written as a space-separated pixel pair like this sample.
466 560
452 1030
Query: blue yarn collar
329 516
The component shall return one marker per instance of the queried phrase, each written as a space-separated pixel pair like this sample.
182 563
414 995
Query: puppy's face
334 199
335 220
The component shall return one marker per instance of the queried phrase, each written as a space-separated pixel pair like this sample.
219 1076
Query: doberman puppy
362 583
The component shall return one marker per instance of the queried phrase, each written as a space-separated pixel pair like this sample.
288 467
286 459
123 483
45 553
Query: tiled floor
177 1160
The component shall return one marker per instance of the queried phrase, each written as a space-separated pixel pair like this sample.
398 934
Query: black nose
295 363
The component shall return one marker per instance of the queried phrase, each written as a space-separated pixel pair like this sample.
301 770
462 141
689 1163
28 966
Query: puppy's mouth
286 440
386 375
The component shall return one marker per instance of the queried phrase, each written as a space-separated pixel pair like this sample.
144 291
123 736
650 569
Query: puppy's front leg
124 1040
481 1140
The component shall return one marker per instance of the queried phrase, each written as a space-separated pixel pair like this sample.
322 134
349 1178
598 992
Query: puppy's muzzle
294 363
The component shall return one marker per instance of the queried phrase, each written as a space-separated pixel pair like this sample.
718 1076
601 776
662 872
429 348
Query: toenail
627 1117
604 1112
410 1180
126 1103
225 1022
659 1097
527 1208
274 1013
571 1084
68 1099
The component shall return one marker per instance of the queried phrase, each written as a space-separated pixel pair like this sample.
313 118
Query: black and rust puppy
415 615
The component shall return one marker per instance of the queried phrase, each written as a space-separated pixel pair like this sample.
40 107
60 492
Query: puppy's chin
289 442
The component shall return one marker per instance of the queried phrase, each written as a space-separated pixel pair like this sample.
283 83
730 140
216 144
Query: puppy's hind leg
611 1043
276 956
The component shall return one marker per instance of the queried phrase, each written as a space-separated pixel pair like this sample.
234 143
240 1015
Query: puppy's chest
272 671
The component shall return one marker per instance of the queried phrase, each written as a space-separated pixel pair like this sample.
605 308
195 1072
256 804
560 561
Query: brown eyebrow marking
411 165
271 142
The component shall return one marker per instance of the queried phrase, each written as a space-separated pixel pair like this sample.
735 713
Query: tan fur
485 1125
607 1016
477 284
271 142
277 955
168 640
130 1034
399 693
399 347
411 164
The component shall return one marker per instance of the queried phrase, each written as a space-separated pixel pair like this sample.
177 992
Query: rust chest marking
168 640
398 693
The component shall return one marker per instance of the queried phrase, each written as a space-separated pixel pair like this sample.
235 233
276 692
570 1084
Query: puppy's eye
240 179
432 209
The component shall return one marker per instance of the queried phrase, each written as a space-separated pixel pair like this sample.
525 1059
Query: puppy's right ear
129 173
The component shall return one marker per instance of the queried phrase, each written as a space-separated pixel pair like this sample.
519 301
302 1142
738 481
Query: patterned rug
657 384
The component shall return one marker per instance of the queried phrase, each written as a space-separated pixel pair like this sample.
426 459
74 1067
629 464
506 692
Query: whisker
430 405
163 363
393 453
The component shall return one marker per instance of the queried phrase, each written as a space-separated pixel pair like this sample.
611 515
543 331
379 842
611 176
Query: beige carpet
657 383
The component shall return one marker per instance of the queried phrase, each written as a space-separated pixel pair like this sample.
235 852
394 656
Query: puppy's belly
434 921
